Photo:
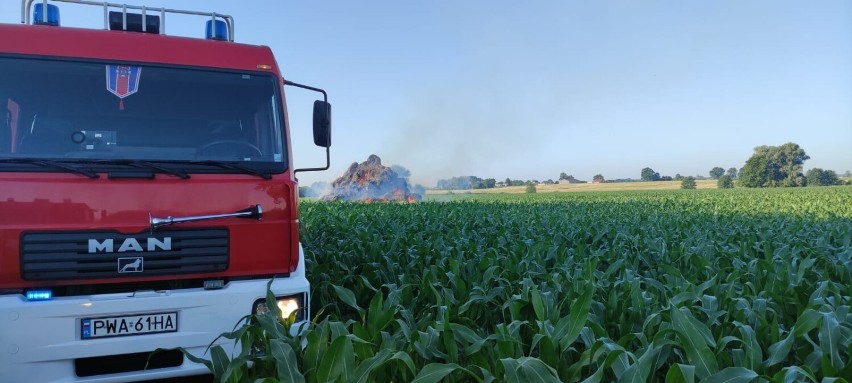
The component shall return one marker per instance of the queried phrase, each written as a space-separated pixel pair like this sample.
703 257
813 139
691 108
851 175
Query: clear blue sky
527 90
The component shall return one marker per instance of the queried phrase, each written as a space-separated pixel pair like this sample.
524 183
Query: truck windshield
83 111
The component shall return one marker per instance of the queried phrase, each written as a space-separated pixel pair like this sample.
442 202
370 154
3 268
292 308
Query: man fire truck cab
147 193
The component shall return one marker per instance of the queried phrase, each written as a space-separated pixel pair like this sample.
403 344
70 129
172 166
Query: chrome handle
255 212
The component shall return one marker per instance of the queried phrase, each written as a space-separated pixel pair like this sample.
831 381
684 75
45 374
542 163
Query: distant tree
819 177
530 187
687 183
791 158
549 182
563 176
678 177
316 189
716 172
774 166
725 182
665 178
758 172
490 183
461 183
419 189
649 174
732 172
598 178
848 173
401 171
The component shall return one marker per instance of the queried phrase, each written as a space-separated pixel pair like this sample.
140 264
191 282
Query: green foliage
732 172
819 177
725 182
649 174
465 183
742 285
530 188
716 172
687 183
710 285
774 166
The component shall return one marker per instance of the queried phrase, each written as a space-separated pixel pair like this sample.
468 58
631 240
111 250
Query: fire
369 182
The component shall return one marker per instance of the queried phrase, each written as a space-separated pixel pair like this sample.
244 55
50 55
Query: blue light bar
52 15
220 32
39 295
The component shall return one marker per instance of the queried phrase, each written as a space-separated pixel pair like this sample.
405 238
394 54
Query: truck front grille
47 256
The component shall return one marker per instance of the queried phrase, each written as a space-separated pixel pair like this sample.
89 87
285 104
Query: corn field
656 286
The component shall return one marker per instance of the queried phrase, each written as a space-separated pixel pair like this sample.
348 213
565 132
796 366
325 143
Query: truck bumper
40 341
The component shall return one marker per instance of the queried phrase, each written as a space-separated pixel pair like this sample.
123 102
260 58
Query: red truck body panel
68 202
133 47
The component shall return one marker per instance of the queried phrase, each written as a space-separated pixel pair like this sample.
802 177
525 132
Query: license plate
128 325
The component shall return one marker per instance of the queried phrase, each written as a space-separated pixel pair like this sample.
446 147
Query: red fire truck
147 192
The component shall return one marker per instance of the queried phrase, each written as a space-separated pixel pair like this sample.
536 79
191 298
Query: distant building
570 180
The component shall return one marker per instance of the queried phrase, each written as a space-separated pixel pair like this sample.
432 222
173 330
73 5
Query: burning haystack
370 181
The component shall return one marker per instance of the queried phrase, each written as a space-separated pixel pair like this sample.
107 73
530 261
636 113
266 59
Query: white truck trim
40 340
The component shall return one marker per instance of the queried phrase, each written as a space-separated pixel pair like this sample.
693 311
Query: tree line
769 166
781 166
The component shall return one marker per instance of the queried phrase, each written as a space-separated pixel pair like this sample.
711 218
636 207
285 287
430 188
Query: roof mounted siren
216 30
117 18
51 17
134 22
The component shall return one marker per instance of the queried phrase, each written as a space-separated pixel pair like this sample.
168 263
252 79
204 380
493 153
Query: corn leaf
681 373
338 360
285 362
434 372
693 343
732 375
528 370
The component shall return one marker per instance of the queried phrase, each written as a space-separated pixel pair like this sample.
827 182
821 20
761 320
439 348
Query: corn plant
728 285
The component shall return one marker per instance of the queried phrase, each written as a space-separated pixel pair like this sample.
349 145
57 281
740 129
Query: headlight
287 304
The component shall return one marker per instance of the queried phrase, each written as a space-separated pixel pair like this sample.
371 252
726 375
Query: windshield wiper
52 164
232 166
180 173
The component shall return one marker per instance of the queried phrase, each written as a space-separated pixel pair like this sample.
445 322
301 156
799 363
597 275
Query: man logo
130 265
129 245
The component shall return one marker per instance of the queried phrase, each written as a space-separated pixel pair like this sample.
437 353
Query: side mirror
322 123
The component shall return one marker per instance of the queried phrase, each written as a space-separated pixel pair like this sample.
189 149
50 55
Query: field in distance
585 187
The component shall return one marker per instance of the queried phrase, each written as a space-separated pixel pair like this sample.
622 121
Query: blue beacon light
217 30
52 15
39 295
